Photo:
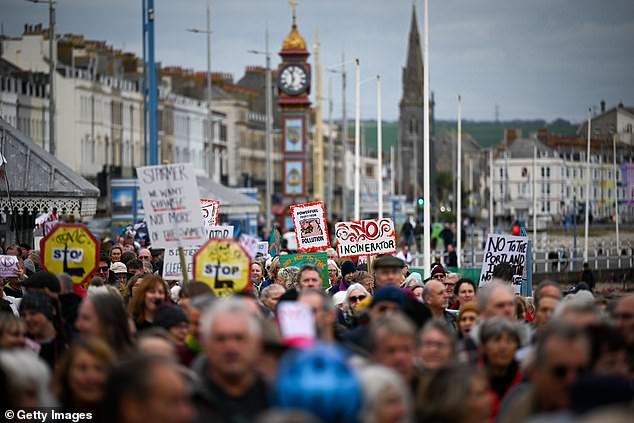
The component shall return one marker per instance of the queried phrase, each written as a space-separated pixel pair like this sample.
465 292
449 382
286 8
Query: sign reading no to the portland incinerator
172 205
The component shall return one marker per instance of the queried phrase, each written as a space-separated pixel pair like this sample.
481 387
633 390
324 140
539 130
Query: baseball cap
118 267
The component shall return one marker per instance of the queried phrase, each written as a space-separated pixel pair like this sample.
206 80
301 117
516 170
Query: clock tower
293 84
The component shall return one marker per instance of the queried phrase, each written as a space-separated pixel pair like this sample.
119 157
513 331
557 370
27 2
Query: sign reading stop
223 265
70 248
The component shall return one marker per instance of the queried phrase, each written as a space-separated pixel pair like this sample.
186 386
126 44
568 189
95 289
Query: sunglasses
561 371
144 257
439 276
357 299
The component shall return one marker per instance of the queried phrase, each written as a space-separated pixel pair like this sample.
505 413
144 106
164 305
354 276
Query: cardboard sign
250 244
9 267
365 238
505 249
171 260
172 205
223 265
221 232
209 209
320 260
311 231
71 249
297 323
263 248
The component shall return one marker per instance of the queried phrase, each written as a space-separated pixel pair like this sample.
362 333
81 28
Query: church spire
413 70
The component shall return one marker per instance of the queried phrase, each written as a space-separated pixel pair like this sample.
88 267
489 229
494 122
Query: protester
271 295
44 327
467 318
104 316
366 279
12 332
288 277
465 292
324 313
348 276
561 354
28 378
454 393
388 271
436 298
392 341
257 274
608 351
147 388
150 294
115 253
309 277
499 341
173 319
156 341
333 273
80 378
386 398
436 345
230 388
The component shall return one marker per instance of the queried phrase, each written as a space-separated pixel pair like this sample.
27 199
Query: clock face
293 79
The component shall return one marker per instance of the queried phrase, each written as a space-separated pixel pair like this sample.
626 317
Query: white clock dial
293 79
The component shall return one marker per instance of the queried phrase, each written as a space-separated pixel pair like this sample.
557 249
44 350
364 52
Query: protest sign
250 244
311 231
223 265
297 323
218 232
505 249
9 267
320 260
209 210
72 249
171 259
263 248
172 205
365 238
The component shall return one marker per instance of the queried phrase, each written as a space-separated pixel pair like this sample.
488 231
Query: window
543 206
567 173
581 192
548 206
501 189
542 172
501 173
547 189
548 172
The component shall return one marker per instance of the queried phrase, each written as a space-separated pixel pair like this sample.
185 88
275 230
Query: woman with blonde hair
81 375
288 277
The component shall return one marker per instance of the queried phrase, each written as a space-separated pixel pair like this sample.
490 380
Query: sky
537 59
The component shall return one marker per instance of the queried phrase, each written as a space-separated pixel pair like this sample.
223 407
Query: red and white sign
209 210
250 244
365 238
311 230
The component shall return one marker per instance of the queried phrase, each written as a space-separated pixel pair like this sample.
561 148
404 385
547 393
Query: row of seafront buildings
556 166
99 115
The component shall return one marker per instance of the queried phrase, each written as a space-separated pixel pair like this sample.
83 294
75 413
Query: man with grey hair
271 295
497 299
309 277
323 310
392 343
229 386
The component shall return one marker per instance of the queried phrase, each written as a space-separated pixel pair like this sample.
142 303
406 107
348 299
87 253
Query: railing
561 259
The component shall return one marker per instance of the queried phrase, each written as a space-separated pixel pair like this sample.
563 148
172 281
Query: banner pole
181 256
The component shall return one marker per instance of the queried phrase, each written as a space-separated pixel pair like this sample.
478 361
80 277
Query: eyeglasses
357 298
561 371
439 276
144 257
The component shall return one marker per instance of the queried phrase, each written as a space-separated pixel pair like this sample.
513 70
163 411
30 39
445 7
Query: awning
232 202
38 182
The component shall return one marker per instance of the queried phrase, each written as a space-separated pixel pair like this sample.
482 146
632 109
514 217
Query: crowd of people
390 345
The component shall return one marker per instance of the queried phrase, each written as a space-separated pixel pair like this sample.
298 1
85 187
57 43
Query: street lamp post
210 146
269 124
52 63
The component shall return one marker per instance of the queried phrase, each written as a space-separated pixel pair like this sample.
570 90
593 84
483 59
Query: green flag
275 242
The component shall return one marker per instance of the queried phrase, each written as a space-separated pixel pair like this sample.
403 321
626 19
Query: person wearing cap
348 273
37 311
120 271
387 271
43 282
173 319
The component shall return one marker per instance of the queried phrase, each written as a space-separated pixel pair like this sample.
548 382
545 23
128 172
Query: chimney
602 106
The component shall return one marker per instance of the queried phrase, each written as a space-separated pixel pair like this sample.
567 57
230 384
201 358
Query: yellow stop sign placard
223 265
70 248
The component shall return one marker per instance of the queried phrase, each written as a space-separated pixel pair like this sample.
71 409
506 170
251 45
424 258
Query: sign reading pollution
311 231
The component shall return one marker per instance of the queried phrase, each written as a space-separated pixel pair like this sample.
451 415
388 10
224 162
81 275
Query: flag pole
426 172
459 187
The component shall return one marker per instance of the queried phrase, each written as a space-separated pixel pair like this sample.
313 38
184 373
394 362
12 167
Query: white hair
25 371
339 297
375 380
355 287
484 293
228 305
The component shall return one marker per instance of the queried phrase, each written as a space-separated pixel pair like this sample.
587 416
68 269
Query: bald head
497 299
435 296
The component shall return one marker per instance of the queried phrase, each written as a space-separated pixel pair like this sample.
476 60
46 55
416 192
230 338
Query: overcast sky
534 59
